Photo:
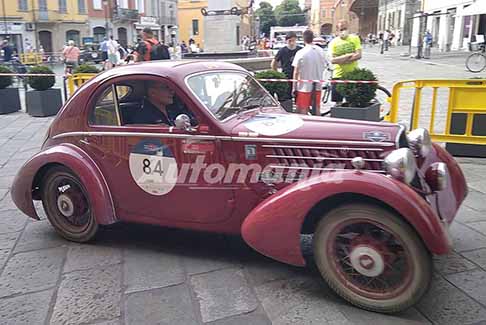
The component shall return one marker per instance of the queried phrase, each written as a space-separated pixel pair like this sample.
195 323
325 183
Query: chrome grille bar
320 148
321 158
324 169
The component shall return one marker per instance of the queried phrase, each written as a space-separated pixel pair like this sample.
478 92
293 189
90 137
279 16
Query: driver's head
159 93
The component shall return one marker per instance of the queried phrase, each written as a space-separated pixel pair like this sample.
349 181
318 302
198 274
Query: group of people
310 62
113 53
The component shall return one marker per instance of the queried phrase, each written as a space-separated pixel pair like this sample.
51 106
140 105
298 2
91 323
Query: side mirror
183 122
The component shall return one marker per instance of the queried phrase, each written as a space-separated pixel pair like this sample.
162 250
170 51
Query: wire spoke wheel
476 62
372 258
67 205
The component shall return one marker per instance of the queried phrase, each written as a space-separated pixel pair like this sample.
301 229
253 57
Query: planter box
369 113
43 103
10 100
287 105
458 126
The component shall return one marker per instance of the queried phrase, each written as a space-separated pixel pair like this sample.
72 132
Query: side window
106 110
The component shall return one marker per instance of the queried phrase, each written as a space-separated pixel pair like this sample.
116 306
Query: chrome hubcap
367 261
65 205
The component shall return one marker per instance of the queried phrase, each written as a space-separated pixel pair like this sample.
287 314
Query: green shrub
86 68
358 95
279 88
5 81
41 82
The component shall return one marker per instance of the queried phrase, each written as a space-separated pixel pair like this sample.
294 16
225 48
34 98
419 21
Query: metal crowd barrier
31 58
74 81
466 98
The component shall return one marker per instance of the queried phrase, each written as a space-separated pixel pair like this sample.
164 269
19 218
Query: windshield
229 93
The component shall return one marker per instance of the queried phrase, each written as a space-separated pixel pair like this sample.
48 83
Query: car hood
285 126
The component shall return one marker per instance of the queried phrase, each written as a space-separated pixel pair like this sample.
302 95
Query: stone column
458 30
220 31
443 31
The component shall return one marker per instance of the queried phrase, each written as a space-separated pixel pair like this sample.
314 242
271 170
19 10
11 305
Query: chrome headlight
400 164
436 176
420 142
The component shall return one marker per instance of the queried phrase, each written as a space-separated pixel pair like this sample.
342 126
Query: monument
222 26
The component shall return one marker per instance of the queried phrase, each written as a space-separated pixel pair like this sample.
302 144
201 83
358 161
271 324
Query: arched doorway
73 35
122 36
45 40
98 34
326 29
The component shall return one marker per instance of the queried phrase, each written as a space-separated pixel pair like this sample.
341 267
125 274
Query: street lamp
105 5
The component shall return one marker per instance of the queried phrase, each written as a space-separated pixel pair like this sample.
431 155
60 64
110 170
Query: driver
158 97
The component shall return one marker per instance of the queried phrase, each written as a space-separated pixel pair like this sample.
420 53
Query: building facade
451 30
191 20
398 17
50 24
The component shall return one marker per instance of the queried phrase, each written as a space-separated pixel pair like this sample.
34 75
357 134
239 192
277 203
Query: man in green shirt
344 51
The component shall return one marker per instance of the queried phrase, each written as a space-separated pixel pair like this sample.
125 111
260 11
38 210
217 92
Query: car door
150 168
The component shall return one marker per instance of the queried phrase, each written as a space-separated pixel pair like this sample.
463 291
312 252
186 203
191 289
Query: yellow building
50 23
191 21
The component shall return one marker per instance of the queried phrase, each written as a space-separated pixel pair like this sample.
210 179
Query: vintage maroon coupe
201 145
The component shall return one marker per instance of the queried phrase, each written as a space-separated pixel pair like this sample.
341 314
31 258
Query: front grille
331 158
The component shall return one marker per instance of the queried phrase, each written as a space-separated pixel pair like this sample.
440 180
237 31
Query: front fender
81 164
273 227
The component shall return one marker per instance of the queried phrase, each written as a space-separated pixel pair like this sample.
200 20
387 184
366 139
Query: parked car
203 146
90 54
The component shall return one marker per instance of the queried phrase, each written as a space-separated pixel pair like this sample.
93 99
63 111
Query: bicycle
476 62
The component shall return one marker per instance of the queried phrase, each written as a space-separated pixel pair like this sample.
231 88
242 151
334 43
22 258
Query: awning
477 8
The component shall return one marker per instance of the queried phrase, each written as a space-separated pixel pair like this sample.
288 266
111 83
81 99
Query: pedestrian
113 47
7 51
184 49
194 48
386 37
285 57
309 64
150 48
344 51
428 40
104 50
71 56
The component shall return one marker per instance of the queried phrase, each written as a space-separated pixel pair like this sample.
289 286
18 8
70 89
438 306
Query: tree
289 13
266 16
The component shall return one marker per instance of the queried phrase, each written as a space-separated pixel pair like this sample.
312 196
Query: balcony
123 14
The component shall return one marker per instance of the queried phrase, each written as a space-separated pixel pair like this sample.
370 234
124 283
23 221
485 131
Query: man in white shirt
309 64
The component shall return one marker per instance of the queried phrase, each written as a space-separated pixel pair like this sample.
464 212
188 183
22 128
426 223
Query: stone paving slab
26 309
88 295
31 271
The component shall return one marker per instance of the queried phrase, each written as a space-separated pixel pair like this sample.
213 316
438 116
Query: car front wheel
67 205
372 258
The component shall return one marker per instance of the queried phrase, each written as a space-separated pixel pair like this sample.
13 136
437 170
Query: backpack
158 51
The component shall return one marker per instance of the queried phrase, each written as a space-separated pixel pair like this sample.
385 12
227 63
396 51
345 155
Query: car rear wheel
372 258
67 205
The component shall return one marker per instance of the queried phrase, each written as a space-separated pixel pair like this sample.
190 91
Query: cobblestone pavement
146 275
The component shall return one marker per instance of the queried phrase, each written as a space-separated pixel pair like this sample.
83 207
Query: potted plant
86 68
360 101
10 96
43 100
278 89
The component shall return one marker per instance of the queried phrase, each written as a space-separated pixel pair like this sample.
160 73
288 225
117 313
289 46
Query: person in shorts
309 64
344 51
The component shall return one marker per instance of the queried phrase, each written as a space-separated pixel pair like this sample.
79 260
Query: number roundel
153 167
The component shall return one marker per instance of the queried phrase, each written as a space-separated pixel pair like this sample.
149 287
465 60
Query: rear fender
273 228
72 157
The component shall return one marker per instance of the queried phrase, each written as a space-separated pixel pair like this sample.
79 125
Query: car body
314 167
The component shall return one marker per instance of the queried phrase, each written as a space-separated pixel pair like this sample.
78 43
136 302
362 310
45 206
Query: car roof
174 69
